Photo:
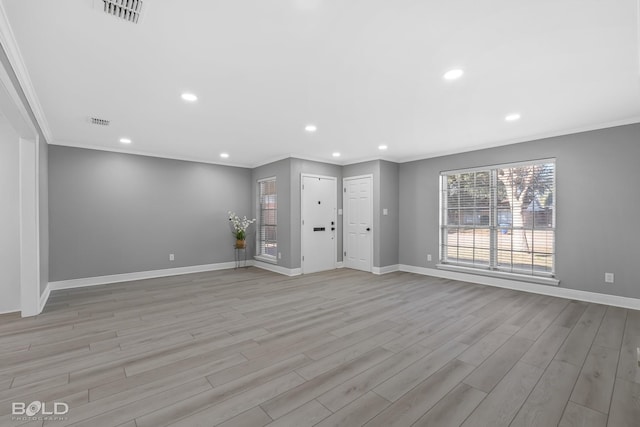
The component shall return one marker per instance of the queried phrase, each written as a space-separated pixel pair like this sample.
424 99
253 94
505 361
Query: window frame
260 255
493 267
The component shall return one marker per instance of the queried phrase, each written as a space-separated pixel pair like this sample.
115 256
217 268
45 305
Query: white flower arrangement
240 225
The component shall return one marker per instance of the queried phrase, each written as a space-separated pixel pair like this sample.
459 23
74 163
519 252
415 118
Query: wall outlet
429 257
279 255
172 257
385 211
608 277
339 211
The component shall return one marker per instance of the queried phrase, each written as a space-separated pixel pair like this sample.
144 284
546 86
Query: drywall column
29 229
9 219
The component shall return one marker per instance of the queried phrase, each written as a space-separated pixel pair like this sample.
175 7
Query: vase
241 244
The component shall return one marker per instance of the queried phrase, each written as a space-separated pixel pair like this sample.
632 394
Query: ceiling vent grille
99 122
129 10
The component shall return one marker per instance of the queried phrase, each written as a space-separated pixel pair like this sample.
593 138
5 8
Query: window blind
267 218
500 218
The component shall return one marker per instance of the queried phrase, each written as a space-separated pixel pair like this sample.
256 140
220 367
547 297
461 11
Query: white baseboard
126 277
386 269
278 269
554 291
340 264
44 298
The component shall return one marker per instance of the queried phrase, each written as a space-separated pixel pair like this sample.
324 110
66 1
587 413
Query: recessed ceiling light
382 147
454 74
310 128
189 97
224 155
125 140
336 154
512 117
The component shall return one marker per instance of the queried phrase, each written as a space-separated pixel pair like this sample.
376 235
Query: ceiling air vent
99 122
129 10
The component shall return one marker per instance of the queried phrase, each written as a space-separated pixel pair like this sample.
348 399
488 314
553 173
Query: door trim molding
335 240
344 216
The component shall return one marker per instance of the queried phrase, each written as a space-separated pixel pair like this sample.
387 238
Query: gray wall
390 223
385 195
597 205
287 173
113 213
9 219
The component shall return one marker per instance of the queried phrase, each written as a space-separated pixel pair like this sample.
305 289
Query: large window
500 218
267 219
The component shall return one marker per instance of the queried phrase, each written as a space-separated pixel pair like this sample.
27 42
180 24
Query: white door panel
358 221
319 200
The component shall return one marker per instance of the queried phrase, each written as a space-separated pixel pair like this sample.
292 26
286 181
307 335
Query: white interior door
319 200
358 220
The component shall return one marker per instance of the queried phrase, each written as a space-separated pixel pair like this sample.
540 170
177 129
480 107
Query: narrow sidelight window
267 219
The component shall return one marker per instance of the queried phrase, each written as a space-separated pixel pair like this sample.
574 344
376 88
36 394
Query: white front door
319 200
358 220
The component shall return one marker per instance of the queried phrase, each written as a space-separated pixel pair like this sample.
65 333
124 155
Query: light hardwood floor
252 348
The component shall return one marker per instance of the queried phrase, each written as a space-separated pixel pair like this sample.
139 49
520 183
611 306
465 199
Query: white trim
152 274
529 138
386 269
264 258
271 178
483 168
260 256
44 297
335 215
370 177
340 264
550 281
358 160
594 297
295 157
134 152
8 40
278 269
313 175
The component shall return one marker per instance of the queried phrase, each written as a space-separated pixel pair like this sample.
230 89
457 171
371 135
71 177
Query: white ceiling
366 72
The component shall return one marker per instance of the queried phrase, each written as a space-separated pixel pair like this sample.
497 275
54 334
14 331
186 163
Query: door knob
368 229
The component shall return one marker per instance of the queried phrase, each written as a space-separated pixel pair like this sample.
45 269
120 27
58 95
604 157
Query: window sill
501 274
268 259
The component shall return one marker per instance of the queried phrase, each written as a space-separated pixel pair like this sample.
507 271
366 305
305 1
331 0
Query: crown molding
530 138
75 144
8 41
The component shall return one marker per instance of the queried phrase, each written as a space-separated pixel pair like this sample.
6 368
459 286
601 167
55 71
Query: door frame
335 218
344 215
